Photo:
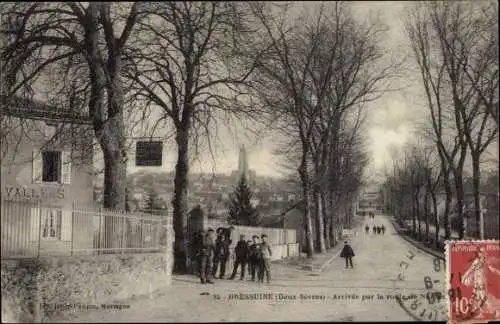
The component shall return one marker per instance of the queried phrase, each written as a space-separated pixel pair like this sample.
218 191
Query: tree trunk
108 124
449 196
436 218
304 178
459 188
426 214
327 219
413 214
180 204
417 212
333 221
114 185
320 228
476 182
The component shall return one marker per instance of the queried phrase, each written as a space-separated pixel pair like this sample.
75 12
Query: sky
389 123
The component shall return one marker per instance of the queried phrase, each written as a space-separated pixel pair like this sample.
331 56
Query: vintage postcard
241 161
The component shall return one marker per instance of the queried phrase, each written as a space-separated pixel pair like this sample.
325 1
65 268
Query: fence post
99 233
39 209
72 225
123 233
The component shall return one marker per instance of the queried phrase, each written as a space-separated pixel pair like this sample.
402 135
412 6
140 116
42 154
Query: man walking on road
383 229
347 253
367 229
207 257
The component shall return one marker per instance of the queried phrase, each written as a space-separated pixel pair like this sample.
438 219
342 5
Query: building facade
46 168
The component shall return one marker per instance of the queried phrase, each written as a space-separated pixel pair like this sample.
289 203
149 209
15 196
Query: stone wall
32 288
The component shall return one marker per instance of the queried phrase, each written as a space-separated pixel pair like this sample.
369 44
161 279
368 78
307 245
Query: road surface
376 268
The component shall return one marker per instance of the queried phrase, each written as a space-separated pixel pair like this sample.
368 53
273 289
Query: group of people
212 254
375 229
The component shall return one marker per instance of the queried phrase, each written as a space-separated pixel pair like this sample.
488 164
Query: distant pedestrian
378 229
221 256
374 229
347 253
241 251
207 257
367 229
254 257
383 229
265 261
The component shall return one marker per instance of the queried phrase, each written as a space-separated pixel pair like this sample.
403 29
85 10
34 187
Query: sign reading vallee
15 193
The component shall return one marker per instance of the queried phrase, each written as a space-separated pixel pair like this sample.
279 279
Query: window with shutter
37 166
66 167
51 163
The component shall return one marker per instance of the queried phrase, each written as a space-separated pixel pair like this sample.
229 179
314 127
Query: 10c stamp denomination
429 302
473 280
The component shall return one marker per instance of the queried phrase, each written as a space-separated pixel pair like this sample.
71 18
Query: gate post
195 223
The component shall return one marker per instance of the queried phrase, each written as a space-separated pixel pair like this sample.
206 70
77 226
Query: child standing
254 256
265 263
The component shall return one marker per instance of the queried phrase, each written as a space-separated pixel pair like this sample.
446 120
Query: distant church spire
243 162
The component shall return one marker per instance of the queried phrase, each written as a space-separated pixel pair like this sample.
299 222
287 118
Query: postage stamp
473 280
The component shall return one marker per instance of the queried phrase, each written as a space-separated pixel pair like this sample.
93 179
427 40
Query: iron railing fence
32 229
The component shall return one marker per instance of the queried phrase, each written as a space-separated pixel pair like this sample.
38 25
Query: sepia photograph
249 161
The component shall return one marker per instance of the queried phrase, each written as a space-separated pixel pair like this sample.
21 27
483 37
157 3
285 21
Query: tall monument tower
243 162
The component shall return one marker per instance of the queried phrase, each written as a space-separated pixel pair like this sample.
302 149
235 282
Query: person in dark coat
347 253
374 229
221 256
367 229
378 229
241 252
383 229
207 257
196 247
249 265
254 256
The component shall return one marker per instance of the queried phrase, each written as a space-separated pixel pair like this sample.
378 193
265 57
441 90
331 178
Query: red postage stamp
473 270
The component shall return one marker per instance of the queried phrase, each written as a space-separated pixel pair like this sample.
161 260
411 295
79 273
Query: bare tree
40 35
282 74
85 45
419 27
479 65
193 61
324 67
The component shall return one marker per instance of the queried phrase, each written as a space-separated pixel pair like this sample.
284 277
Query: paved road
376 267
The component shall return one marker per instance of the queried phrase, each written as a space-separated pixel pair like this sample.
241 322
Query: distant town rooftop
32 109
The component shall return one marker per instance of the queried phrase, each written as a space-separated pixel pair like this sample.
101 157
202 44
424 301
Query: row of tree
455 46
321 69
306 74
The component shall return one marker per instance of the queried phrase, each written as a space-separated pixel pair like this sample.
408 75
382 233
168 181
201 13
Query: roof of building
32 109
